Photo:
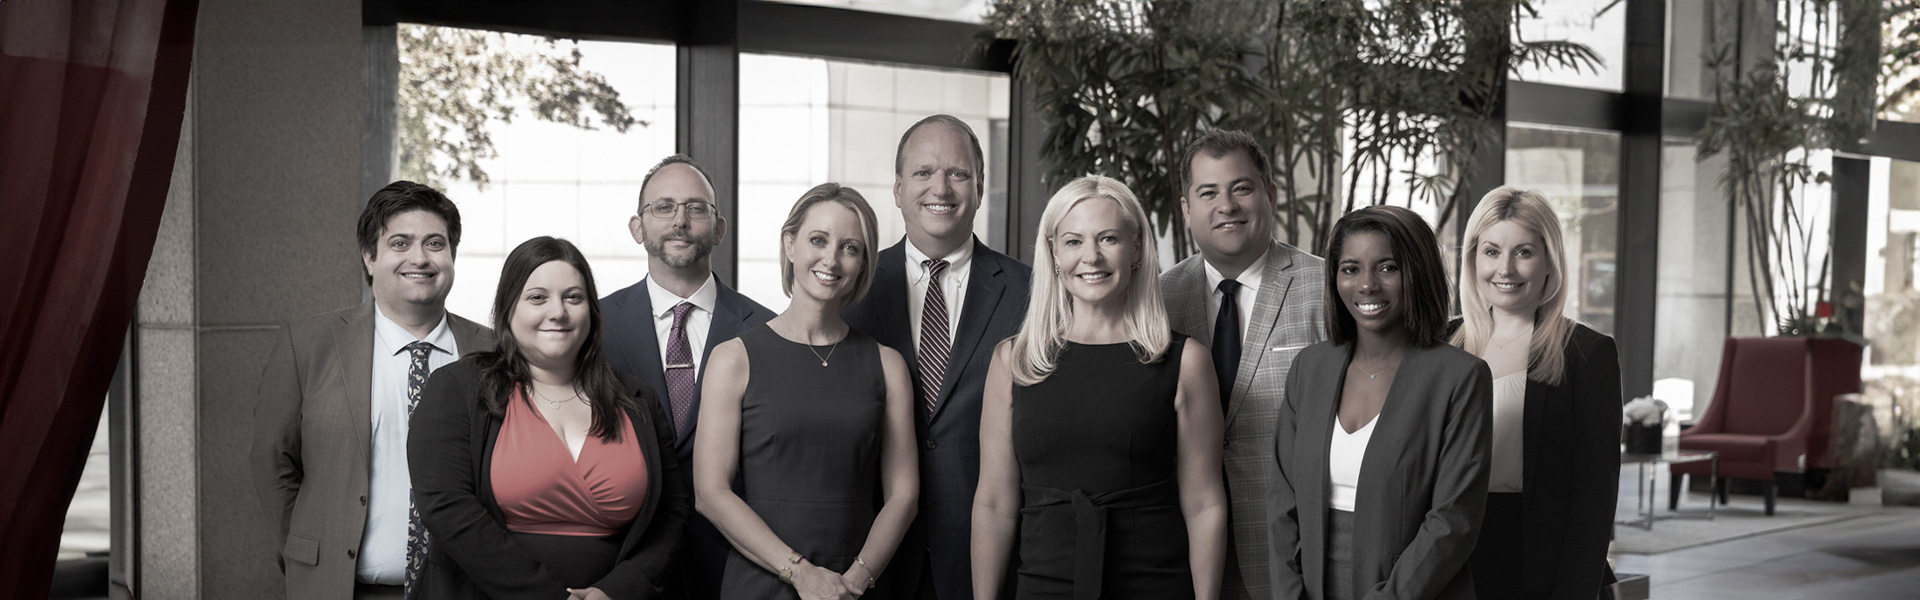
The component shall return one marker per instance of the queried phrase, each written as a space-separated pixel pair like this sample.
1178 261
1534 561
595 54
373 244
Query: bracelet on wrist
871 576
786 570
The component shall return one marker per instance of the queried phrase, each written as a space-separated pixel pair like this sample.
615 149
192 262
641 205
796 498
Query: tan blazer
1288 316
311 444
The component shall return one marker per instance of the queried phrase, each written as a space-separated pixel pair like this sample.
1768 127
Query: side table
1650 483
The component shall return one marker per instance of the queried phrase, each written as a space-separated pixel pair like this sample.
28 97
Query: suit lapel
466 334
358 371
984 291
890 287
1267 304
1397 424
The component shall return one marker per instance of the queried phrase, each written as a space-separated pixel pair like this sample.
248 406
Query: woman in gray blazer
1382 438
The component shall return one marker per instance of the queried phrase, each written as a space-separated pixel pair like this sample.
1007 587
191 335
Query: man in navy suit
942 299
662 328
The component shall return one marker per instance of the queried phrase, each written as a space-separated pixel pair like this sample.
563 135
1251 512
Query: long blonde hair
1546 352
1036 348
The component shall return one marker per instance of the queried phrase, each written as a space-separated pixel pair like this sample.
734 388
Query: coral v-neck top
541 488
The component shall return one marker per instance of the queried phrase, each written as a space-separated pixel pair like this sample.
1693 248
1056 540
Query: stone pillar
258 230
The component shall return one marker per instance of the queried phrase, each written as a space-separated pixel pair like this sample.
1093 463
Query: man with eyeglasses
662 328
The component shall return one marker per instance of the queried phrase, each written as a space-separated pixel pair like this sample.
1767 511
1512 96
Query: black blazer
1423 479
449 453
995 305
1572 471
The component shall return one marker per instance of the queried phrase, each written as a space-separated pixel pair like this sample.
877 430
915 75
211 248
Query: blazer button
363 500
931 445
351 554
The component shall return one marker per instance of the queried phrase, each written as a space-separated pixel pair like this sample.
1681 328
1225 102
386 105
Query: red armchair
1761 416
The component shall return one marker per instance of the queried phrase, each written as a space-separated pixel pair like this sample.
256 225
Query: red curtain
91 97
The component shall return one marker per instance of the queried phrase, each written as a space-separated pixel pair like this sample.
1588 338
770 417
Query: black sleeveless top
809 452
1097 444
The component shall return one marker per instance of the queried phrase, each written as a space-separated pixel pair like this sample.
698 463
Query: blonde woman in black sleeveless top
816 421
1100 430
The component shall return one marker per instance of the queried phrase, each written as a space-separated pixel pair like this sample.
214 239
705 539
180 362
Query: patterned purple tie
681 378
417 537
933 336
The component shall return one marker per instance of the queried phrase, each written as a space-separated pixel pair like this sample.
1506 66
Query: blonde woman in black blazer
1554 471
1413 507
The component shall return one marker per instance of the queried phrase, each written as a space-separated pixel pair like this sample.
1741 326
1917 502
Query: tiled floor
1875 556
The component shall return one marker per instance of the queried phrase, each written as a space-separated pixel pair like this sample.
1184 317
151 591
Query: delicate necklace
1527 333
555 404
816 351
1376 374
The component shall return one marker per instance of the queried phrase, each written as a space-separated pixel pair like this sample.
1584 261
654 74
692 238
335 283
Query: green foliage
1900 65
453 82
1392 95
1766 121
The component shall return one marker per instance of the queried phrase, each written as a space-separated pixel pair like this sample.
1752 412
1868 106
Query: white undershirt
1508 465
1248 294
1343 462
699 320
953 285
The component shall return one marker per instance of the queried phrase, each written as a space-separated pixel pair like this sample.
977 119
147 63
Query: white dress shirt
1507 464
1344 456
1249 291
699 320
953 282
383 543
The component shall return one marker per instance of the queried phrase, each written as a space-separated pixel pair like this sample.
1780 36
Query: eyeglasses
698 210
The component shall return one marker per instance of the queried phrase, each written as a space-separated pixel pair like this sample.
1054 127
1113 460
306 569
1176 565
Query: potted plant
1643 425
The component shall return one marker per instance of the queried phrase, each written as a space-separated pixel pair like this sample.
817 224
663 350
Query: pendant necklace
555 404
1376 374
816 351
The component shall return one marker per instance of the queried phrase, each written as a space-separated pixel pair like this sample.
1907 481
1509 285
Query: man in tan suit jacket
1276 310
329 448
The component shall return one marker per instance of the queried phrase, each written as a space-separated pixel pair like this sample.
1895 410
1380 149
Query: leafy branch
453 82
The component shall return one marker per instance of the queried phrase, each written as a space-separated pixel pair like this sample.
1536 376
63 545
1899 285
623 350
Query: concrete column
258 230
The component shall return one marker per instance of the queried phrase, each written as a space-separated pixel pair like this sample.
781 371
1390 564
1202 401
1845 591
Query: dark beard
658 247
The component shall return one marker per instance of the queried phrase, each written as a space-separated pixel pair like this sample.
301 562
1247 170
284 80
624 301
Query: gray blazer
1423 481
1288 315
311 443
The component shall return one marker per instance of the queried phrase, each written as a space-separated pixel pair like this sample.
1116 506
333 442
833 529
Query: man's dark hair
1423 275
675 159
1218 144
979 157
402 197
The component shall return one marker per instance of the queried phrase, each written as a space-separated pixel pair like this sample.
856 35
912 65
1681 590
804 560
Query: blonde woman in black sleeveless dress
816 421
1100 431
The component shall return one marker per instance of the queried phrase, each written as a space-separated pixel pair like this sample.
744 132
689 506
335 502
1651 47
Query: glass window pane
806 121
1890 375
1689 45
1599 24
1579 172
1691 307
556 179
1900 87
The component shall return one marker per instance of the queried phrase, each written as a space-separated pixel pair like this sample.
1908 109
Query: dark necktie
1226 339
681 377
416 531
933 336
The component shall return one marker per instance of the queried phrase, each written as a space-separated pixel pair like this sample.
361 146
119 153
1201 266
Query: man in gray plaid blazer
1256 302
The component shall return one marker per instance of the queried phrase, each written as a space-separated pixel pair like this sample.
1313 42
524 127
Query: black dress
809 453
1098 449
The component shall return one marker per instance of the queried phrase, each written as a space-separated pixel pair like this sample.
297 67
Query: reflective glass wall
806 121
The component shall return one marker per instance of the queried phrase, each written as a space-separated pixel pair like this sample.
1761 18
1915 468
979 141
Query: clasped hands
815 582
